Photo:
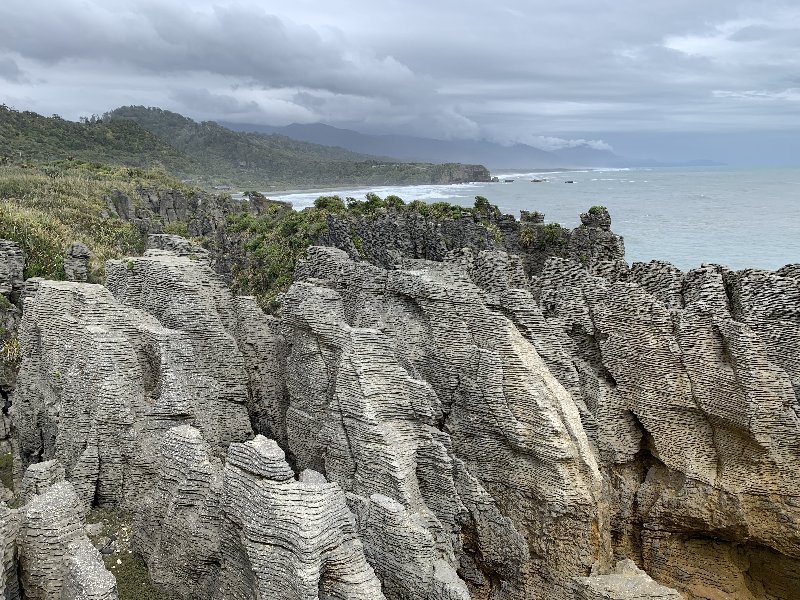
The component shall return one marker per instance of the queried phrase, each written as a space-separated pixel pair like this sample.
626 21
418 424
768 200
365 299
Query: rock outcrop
250 529
102 378
625 582
76 262
434 413
55 558
693 411
12 265
489 425
389 236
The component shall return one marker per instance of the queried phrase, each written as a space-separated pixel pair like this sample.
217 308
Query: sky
672 80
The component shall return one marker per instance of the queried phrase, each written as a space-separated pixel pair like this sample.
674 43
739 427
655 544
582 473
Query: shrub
553 234
330 203
526 236
481 203
177 228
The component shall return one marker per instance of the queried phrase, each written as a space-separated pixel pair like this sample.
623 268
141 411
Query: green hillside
27 136
269 161
207 154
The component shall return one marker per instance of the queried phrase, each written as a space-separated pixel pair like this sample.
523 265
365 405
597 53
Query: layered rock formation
694 413
389 236
625 582
441 430
101 379
425 397
76 262
46 545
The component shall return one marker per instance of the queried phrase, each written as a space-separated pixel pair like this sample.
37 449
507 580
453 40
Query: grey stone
76 262
625 582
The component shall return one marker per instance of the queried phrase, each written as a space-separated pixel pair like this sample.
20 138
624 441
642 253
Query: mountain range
493 155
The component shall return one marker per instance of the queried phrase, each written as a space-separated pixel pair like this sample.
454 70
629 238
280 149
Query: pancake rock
76 262
388 236
625 582
250 529
692 408
56 559
101 379
464 458
12 265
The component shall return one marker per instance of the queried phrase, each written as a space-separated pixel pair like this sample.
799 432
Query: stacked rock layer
446 430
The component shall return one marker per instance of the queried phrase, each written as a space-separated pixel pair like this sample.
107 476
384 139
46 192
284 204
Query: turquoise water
736 217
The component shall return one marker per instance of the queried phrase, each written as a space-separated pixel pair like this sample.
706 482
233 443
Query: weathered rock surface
389 236
56 559
177 245
461 429
12 265
693 411
445 426
250 530
625 582
101 379
76 262
12 284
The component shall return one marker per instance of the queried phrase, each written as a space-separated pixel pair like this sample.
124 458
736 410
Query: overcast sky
667 79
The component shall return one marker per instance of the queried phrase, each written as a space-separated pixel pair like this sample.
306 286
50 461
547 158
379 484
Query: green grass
45 208
130 571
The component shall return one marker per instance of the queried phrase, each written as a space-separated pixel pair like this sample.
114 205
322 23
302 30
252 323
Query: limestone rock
38 477
9 571
250 529
431 410
12 264
176 524
76 262
389 236
625 582
177 245
704 404
100 381
298 537
57 560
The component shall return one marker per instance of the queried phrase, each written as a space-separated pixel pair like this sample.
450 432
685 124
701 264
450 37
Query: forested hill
206 153
279 160
30 137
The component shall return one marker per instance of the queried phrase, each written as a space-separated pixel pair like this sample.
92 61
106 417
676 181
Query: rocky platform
442 430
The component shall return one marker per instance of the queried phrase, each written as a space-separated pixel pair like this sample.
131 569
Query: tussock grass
46 207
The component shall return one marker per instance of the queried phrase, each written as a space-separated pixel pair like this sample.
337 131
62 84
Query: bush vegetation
44 208
274 241
204 153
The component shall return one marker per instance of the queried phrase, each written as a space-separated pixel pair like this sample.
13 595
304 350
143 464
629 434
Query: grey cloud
205 101
10 71
227 40
514 70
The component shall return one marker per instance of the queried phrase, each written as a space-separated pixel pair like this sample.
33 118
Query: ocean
741 218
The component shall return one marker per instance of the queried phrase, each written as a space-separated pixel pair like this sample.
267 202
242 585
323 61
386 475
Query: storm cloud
545 73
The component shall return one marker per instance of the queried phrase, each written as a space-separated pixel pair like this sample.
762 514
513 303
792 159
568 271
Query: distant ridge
208 154
493 155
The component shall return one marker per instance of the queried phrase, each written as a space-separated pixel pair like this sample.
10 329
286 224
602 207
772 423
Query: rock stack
458 429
